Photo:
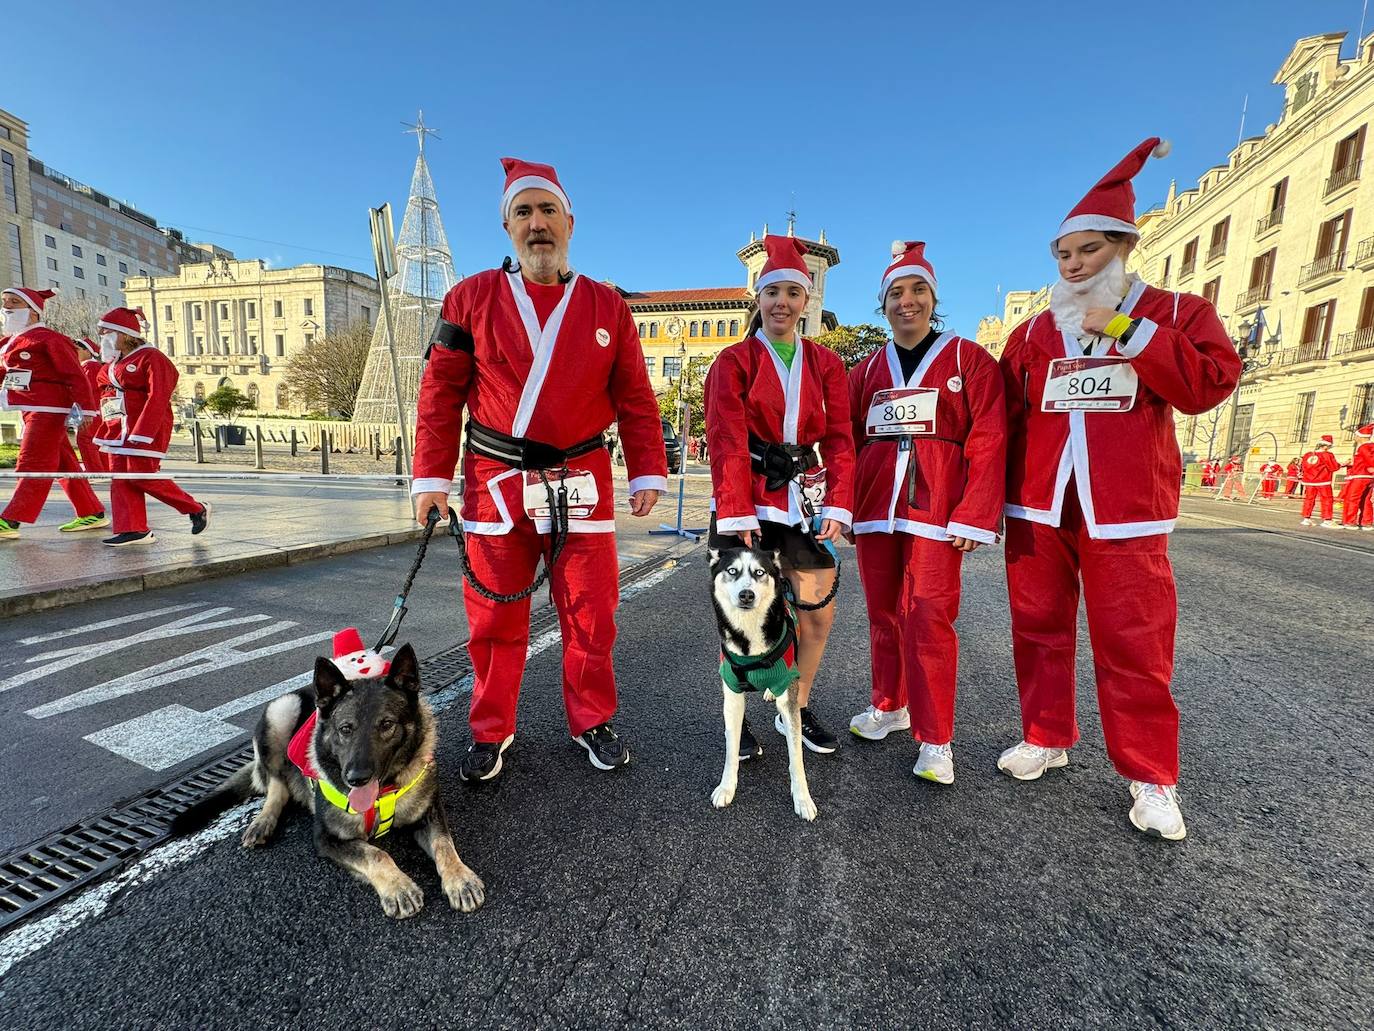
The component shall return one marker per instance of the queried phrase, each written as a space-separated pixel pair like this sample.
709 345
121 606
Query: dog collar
378 818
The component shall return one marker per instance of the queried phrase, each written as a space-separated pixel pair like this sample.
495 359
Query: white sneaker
875 724
1306 522
1156 811
936 763
1367 529
1026 761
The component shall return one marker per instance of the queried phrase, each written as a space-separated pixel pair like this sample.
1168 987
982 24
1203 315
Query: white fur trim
531 182
1162 149
973 533
839 515
783 275
542 342
737 523
28 302
136 439
1143 334
430 484
1100 223
658 483
901 272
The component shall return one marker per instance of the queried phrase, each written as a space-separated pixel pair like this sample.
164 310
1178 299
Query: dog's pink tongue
360 800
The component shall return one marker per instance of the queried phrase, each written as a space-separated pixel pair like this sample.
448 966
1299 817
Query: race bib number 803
1090 384
906 411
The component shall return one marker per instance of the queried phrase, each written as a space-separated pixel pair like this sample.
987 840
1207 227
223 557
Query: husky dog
359 754
758 639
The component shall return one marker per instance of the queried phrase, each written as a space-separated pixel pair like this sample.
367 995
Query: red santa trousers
1269 485
95 460
911 585
129 497
1358 502
45 448
1132 607
1290 485
1234 487
585 586
1311 494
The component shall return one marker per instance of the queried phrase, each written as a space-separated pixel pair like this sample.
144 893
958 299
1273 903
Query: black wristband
1126 336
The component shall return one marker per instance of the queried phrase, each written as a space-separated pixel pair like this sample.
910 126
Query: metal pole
384 254
324 451
200 444
293 442
257 446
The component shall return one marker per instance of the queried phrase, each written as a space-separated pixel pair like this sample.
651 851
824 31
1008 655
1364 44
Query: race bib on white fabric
813 486
1090 384
111 407
901 412
582 494
18 379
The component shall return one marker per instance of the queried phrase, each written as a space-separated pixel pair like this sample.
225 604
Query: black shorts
797 548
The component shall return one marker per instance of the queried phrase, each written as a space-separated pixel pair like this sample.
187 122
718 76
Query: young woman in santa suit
782 458
1093 476
931 429
136 389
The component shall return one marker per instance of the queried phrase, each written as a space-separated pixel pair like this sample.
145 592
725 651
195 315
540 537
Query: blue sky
676 128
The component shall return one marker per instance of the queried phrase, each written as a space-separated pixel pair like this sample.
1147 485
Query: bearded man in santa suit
1359 483
41 379
543 360
1319 467
1093 480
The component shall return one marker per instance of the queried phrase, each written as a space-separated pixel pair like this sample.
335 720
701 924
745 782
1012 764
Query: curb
74 591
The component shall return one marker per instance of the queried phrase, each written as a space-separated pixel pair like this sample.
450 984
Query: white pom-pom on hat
1162 149
898 248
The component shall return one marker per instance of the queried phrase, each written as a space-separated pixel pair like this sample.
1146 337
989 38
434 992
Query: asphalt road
626 900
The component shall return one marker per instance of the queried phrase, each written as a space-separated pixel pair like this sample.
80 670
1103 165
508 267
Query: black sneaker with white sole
128 537
483 759
749 747
604 747
814 735
200 520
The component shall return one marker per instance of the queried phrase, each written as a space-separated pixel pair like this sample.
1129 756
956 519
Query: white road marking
31 937
105 624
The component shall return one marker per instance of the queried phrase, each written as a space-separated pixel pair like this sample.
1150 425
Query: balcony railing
1312 351
1269 221
1364 253
1253 296
1216 251
1356 341
1332 265
1186 269
1342 177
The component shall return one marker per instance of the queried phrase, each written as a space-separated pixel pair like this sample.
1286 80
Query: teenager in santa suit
42 380
928 488
1269 479
1359 482
92 458
1233 487
1093 477
782 459
1292 476
543 360
1319 466
136 426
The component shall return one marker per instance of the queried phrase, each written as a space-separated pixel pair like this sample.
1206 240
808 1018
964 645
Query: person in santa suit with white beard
42 380
1093 479
930 425
1359 482
1319 467
544 360
92 458
782 460
136 388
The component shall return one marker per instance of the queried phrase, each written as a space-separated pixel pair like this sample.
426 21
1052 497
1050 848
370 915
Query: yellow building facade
232 322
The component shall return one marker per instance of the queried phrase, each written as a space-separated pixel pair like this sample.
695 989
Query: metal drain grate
47 870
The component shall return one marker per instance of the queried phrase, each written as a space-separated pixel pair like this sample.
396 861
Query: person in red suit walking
1292 476
1233 484
930 423
1269 479
1318 469
42 380
136 427
92 458
543 360
1358 509
1093 483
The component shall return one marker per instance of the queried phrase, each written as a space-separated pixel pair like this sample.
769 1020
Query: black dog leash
558 518
398 611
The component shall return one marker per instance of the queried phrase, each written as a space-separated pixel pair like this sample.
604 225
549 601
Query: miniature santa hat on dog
530 175
908 259
1110 205
784 263
354 661
129 321
35 299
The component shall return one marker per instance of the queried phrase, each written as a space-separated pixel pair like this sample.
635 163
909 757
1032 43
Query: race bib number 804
582 494
1090 384
906 411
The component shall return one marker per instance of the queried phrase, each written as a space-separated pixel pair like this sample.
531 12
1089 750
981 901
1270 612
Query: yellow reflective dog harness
376 820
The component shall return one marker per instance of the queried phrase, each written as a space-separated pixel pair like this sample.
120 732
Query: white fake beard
543 263
1069 302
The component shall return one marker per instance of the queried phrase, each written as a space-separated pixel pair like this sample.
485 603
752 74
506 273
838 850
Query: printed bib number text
111 407
906 411
19 379
582 494
813 486
1090 384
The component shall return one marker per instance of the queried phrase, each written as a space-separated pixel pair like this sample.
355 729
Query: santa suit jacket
750 390
1318 467
1126 465
91 369
960 469
55 380
136 404
1271 471
1362 462
560 384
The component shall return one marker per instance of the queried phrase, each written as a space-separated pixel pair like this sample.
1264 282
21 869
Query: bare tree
324 375
73 317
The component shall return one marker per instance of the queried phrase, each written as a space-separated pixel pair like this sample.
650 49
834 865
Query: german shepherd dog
368 733
756 627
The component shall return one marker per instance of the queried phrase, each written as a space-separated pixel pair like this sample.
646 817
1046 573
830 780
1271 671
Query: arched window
692 330
253 395
224 381
734 327
283 397
720 328
706 329
653 329
641 329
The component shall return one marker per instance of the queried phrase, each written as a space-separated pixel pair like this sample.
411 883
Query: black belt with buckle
525 452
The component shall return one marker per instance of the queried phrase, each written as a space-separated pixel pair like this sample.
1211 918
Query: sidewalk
273 521
1274 516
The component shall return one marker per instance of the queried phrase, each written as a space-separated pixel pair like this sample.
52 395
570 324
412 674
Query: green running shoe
91 522
8 530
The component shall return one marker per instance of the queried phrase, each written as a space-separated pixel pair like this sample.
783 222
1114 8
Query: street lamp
1248 347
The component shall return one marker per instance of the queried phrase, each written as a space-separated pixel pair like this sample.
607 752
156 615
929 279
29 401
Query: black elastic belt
524 452
779 463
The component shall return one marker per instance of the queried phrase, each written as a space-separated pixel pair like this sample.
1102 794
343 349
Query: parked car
672 446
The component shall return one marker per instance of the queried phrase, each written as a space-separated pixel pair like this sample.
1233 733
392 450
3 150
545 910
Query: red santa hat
1326 441
35 299
124 320
908 259
355 661
90 345
784 264
529 175
1110 205
1366 431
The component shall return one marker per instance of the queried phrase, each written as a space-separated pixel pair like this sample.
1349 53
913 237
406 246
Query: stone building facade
239 322
17 260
